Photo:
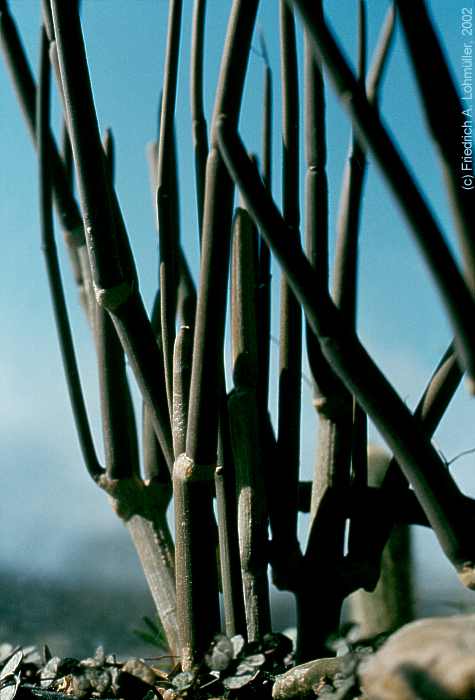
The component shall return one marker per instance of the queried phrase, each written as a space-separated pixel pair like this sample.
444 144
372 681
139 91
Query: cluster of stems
208 443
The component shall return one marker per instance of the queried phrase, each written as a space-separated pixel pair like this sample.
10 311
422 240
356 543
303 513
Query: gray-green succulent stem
195 547
186 292
198 589
244 428
226 506
283 465
142 507
182 357
118 417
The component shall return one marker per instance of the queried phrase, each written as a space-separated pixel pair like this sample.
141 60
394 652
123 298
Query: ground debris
231 669
30 673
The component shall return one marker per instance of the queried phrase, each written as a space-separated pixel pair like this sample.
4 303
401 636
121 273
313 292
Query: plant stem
244 426
54 275
167 197
197 586
444 115
264 266
435 489
452 287
112 265
283 475
200 136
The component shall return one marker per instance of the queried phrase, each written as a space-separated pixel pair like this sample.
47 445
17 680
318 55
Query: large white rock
430 658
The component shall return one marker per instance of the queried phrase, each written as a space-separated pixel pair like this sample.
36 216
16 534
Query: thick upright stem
192 480
244 424
283 472
324 552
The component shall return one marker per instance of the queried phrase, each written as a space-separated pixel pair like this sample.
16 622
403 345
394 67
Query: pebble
433 657
300 680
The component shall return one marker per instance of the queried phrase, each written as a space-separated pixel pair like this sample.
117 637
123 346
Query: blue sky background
48 506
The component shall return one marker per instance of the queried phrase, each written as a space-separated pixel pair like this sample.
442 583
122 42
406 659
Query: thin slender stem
379 59
203 416
430 409
226 505
345 277
186 309
112 265
25 87
86 289
346 259
106 267
118 419
445 117
54 276
454 292
264 271
186 293
368 544
326 386
199 126
167 199
64 200
155 464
